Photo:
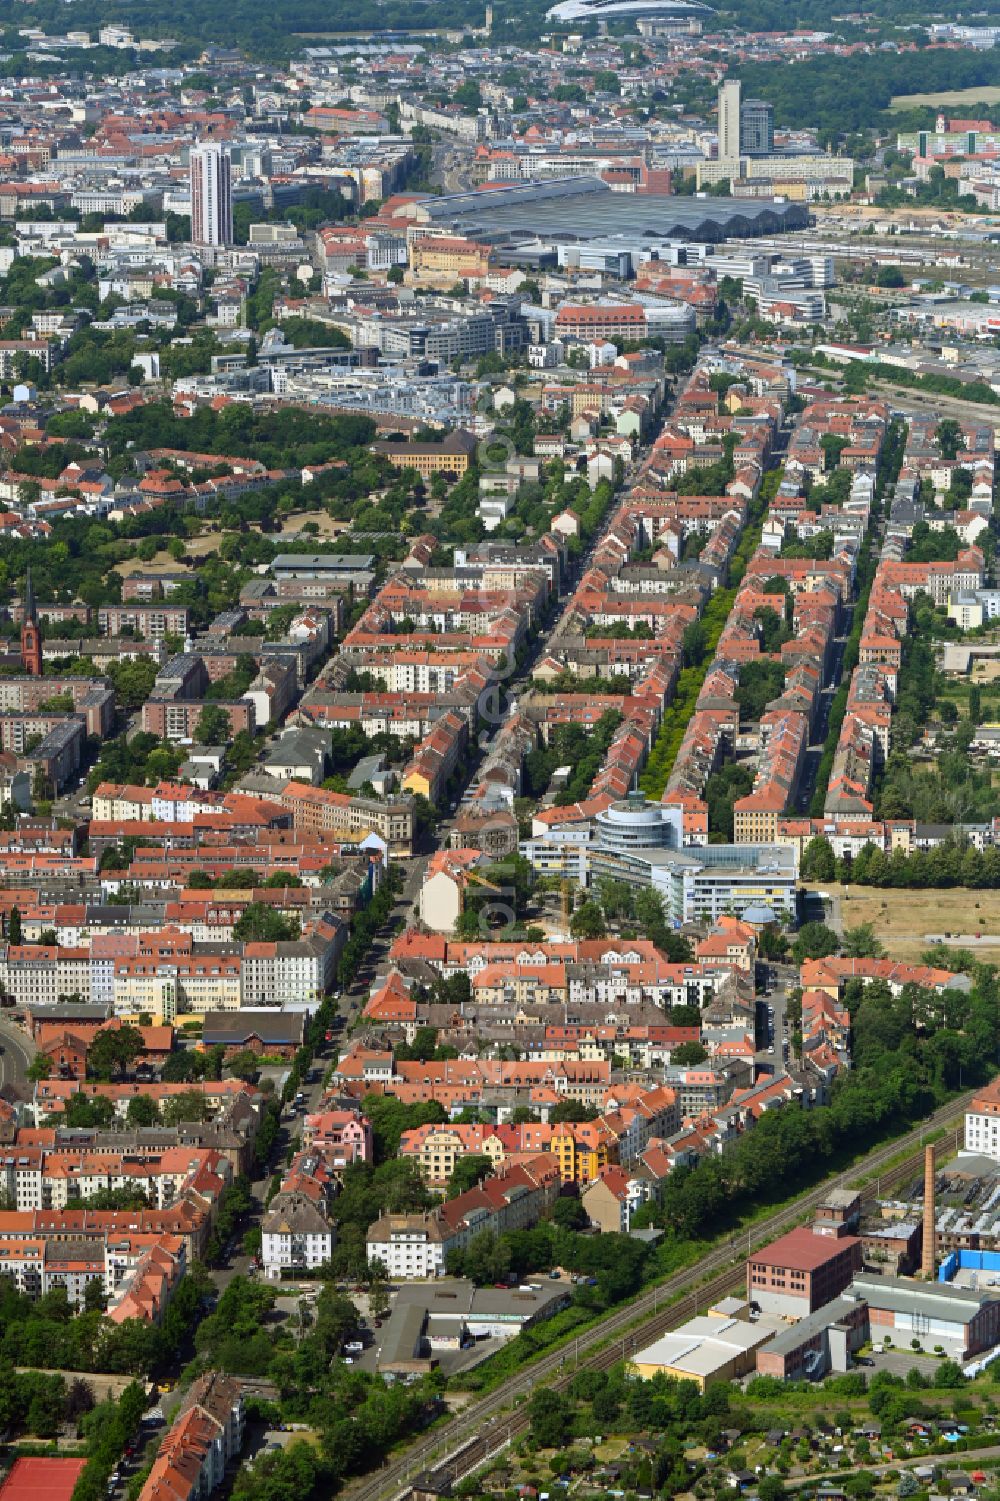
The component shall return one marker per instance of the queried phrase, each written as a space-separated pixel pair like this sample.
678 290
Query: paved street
778 979
16 1053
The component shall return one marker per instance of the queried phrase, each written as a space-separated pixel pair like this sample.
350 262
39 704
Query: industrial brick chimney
927 1265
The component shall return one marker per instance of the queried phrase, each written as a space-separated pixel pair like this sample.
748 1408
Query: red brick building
177 718
801 1271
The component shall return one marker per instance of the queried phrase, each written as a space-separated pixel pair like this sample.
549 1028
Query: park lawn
984 94
902 919
206 543
161 561
328 525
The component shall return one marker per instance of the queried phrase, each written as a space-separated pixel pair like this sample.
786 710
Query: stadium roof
585 208
584 10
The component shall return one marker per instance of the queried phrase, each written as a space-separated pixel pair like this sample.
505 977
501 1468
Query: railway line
489 1424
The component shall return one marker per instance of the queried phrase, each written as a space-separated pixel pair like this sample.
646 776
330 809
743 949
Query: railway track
488 1425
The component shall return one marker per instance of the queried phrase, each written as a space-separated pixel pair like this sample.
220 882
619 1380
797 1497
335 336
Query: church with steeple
31 633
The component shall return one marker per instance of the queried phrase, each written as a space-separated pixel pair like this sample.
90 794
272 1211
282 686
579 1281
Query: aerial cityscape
499 751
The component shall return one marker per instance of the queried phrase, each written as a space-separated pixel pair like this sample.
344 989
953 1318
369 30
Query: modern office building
641 844
634 824
746 126
211 195
756 127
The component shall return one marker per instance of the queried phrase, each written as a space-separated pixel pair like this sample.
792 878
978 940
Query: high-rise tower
211 194
729 120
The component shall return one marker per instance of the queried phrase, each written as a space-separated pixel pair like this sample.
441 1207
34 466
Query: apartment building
417 1246
982 1122
178 719
352 818
152 621
206 1438
35 1177
296 1235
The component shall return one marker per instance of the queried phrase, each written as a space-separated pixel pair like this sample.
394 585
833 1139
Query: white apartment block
982 1123
296 1236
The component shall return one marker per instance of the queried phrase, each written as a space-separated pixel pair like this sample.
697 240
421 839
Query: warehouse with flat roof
962 1320
705 1349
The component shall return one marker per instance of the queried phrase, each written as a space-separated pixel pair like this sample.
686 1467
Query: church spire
31 635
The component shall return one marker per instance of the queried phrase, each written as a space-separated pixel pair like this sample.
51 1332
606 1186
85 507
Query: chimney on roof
927 1265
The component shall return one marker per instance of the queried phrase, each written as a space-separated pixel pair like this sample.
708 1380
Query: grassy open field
903 919
985 94
206 543
328 526
162 561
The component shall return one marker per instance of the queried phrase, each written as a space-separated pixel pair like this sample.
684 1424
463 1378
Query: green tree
550 1416
818 860
113 1051
243 1065
861 943
814 940
213 727
261 923
949 437
588 921
378 1298
468 1172
81 1111
569 1214
468 97
14 926
571 1110
142 1111
688 1054
189 1106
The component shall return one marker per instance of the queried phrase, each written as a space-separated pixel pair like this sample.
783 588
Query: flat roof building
800 1271
822 1342
707 1348
310 565
962 1320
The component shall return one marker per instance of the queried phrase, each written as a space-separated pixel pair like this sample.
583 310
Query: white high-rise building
729 121
211 195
